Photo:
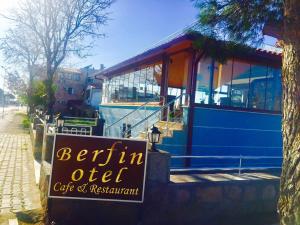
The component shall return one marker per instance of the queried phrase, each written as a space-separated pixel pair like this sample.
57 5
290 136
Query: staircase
168 118
166 128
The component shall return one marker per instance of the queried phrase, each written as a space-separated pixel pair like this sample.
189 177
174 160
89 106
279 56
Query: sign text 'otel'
98 168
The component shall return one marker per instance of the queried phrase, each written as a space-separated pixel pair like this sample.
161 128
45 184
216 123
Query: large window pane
157 74
122 91
273 90
136 86
222 83
126 86
149 83
141 87
115 89
240 84
131 87
258 83
203 81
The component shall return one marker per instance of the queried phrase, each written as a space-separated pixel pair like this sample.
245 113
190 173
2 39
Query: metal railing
125 119
240 167
51 129
162 114
88 131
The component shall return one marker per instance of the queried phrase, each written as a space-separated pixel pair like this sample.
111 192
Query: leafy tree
243 22
38 97
62 27
16 84
20 46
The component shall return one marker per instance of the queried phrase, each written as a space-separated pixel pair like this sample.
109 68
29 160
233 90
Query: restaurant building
201 106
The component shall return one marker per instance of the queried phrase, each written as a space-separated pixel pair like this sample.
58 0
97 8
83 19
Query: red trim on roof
157 53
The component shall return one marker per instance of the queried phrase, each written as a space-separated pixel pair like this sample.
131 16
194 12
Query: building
93 90
76 90
202 107
70 88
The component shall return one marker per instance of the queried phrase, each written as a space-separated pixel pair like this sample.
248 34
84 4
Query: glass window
114 90
141 88
273 90
258 83
240 84
87 94
131 87
157 74
117 87
149 83
222 83
70 91
75 77
122 91
126 86
203 81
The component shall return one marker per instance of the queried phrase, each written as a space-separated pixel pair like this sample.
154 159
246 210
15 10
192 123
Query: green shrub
26 123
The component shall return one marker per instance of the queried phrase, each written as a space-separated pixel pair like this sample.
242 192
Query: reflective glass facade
239 84
135 86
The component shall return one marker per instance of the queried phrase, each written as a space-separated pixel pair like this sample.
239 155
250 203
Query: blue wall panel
175 145
218 132
112 113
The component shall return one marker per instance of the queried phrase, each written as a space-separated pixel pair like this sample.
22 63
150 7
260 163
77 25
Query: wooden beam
193 68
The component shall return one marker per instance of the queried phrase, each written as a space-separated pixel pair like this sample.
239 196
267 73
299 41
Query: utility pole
3 94
3 98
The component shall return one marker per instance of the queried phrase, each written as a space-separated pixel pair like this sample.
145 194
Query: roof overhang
273 31
150 56
181 43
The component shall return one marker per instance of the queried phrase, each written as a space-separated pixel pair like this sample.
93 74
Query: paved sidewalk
18 189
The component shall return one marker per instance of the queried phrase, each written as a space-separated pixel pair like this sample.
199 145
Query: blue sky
136 25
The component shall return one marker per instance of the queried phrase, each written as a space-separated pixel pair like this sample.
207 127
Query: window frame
230 107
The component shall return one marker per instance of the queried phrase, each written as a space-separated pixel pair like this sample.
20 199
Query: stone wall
38 141
209 202
195 203
36 130
47 148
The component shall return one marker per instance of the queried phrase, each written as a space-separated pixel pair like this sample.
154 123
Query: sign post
98 168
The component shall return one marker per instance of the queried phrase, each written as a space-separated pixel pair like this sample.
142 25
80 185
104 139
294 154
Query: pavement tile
18 189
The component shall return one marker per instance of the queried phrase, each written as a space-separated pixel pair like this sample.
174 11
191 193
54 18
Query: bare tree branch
61 27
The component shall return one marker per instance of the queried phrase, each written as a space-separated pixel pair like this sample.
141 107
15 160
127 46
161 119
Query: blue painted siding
112 113
216 132
175 145
219 132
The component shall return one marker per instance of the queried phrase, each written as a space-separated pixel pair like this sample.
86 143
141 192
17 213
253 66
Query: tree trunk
50 92
289 201
29 92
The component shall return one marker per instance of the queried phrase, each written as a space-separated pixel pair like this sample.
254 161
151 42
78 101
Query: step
143 135
169 125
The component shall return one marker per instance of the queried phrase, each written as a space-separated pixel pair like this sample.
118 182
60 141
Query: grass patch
26 122
21 114
79 123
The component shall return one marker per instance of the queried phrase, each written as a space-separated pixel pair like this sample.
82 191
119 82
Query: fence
73 125
240 165
51 129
